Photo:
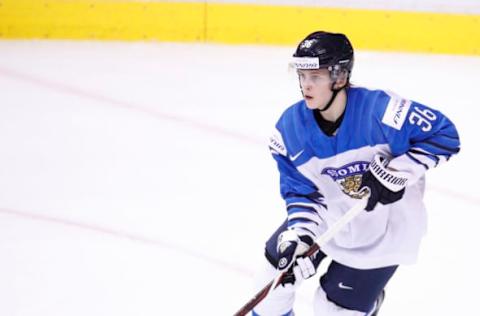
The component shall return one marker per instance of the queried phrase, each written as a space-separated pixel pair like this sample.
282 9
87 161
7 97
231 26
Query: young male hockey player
331 148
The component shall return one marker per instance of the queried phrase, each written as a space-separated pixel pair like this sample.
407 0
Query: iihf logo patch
349 177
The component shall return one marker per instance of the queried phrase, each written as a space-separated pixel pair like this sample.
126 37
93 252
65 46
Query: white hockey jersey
320 174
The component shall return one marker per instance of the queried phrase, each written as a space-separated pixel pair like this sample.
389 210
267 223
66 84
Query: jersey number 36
422 118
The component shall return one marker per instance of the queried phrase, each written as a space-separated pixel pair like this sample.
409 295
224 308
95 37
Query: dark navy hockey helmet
318 50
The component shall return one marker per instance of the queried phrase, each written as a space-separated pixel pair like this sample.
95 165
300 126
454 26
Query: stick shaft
322 240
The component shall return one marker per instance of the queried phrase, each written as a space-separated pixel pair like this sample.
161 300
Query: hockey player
339 143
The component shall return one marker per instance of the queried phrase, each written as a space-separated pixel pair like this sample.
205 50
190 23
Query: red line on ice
127 235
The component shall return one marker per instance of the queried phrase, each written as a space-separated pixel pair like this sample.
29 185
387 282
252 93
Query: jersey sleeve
420 138
303 200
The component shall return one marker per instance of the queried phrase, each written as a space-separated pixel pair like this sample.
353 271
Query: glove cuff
393 180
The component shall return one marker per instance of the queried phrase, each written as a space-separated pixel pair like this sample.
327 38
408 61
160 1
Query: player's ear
341 80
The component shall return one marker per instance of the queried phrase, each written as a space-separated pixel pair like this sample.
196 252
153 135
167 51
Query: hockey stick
322 240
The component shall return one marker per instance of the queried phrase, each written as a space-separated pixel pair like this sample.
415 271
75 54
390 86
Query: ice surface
135 177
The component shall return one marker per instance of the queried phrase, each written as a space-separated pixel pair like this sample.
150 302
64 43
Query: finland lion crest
349 177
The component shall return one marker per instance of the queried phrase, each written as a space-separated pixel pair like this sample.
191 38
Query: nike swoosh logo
293 158
345 287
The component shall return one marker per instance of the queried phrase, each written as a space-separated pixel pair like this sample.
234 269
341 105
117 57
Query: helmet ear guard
339 74
337 70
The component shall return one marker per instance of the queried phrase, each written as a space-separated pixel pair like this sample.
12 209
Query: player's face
316 87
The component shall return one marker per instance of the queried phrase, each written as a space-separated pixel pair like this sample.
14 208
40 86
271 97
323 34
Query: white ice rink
135 178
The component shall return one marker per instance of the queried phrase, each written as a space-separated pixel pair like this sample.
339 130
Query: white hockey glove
290 248
386 185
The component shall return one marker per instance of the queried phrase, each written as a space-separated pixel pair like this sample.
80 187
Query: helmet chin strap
334 95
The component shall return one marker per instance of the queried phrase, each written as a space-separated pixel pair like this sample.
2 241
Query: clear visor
314 76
